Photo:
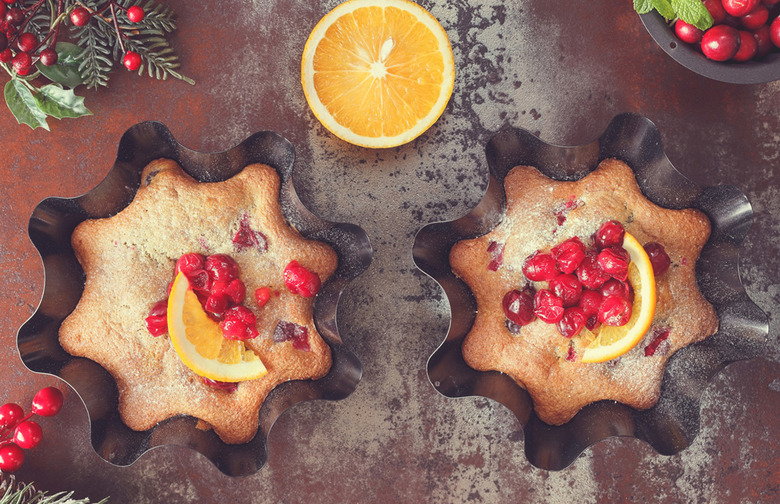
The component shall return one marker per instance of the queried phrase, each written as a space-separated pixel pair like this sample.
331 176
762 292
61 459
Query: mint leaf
664 8
66 71
60 103
23 105
693 12
643 6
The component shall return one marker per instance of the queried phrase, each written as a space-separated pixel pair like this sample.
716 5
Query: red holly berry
22 63
26 42
135 14
79 16
47 402
10 414
301 281
6 55
14 16
28 434
3 40
11 457
49 57
132 61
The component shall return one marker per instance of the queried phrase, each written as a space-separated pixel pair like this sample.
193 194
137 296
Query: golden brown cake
541 213
129 260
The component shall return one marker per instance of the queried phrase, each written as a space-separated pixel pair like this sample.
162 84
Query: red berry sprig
18 432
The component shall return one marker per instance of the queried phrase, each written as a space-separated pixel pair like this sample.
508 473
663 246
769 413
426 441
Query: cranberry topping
613 286
246 237
157 321
548 306
496 251
220 385
568 288
590 273
589 303
660 336
540 267
614 261
615 311
289 331
519 306
610 234
301 281
572 322
561 210
221 267
216 304
239 323
571 355
569 254
658 257
190 264
262 295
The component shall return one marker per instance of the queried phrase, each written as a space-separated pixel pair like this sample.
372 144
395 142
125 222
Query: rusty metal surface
560 69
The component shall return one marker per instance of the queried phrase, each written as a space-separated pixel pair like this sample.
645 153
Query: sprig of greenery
14 492
691 11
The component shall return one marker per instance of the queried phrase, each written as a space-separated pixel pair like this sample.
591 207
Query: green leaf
643 6
60 103
66 71
693 12
664 8
23 105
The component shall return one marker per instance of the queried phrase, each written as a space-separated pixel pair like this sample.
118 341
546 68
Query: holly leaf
693 12
57 102
23 106
66 71
664 8
643 6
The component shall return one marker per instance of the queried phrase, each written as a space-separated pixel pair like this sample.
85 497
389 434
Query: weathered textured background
560 69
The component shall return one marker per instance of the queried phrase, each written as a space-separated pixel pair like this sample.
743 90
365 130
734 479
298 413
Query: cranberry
496 251
157 321
660 336
748 47
14 16
26 42
135 14
191 263
220 385
548 306
243 314
658 257
589 302
217 304
687 32
518 306
235 290
716 9
568 288
610 234
572 322
774 31
301 281
590 273
22 62
47 402
755 18
613 286
289 331
764 41
132 60
615 311
10 414
234 329
720 43
6 55
614 261
49 57
262 295
246 237
79 16
569 254
540 267
28 434
571 355
11 457
738 8
221 267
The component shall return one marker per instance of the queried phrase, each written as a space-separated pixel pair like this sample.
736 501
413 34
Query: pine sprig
14 492
96 61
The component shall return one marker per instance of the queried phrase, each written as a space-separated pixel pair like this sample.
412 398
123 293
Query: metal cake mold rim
50 227
673 423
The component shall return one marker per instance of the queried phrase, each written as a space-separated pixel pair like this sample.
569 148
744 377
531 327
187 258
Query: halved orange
199 342
378 73
609 342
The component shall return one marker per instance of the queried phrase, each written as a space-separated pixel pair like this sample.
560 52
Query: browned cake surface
536 357
129 261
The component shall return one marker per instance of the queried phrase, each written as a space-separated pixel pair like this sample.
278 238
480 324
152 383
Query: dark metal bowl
748 72
672 424
50 229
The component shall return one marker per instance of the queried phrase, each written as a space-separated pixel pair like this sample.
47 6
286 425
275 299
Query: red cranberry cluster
18 432
742 30
23 48
586 286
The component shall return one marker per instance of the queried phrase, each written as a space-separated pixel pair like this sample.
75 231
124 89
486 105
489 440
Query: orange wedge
378 73
608 342
199 342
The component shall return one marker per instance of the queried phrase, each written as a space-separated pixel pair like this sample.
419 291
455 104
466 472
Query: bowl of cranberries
742 46
673 423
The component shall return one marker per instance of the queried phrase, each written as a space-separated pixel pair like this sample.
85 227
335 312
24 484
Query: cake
130 260
544 358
